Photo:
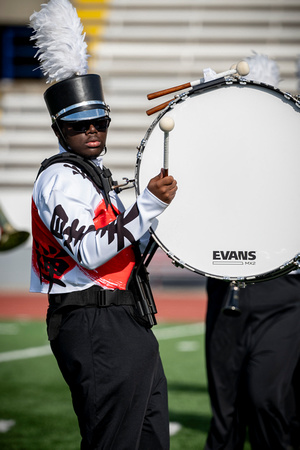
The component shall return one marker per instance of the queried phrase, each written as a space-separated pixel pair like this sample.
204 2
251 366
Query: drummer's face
86 138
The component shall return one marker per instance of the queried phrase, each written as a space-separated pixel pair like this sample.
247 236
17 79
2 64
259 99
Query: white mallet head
243 68
166 124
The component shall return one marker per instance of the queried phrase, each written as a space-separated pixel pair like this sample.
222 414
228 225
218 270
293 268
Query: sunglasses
83 125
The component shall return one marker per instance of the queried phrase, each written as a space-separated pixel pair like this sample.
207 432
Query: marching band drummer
85 251
251 359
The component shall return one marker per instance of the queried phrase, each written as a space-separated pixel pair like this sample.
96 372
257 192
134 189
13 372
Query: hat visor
85 115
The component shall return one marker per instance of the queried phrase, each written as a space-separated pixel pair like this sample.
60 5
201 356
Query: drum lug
288 96
175 262
297 261
297 98
141 147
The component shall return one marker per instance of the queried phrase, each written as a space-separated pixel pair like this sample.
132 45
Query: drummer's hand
163 188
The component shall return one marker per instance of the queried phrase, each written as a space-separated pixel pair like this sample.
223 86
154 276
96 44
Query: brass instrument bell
9 236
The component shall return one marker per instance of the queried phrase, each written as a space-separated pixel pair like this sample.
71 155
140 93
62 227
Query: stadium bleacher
139 47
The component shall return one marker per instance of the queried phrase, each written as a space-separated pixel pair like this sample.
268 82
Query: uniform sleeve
67 209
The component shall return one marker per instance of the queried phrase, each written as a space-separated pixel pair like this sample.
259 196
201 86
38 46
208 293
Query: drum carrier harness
139 294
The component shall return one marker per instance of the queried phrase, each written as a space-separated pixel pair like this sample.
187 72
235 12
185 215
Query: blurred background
137 46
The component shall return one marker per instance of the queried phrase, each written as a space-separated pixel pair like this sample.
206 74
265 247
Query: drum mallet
166 124
241 69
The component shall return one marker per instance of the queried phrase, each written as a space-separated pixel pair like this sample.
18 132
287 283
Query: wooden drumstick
166 124
158 107
242 68
170 90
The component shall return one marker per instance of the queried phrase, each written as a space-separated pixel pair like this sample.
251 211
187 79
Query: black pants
113 368
251 361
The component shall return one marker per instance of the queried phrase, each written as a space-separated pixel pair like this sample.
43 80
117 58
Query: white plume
60 39
263 69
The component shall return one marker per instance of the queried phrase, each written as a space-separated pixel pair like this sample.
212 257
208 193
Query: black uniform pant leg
112 366
274 354
266 340
155 431
295 402
226 352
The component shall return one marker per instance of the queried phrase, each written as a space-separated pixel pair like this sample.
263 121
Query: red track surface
173 306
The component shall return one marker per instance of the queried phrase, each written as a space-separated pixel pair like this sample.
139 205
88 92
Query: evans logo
234 257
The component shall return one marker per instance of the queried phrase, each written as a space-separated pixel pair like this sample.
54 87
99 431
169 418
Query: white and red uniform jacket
77 239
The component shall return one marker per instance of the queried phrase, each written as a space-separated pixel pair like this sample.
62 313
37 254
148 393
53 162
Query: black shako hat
77 98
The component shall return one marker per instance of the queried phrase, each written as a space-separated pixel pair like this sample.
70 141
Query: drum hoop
285 268
196 90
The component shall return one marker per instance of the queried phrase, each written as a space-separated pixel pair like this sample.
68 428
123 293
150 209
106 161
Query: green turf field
35 397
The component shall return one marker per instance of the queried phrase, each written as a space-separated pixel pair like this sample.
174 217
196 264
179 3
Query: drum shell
234 152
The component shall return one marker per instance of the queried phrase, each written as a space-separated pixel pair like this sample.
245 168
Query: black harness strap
141 296
102 178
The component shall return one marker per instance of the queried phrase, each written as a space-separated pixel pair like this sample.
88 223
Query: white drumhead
235 154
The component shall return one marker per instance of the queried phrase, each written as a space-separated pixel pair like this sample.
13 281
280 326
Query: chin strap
62 139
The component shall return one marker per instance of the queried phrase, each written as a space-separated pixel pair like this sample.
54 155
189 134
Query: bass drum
235 154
